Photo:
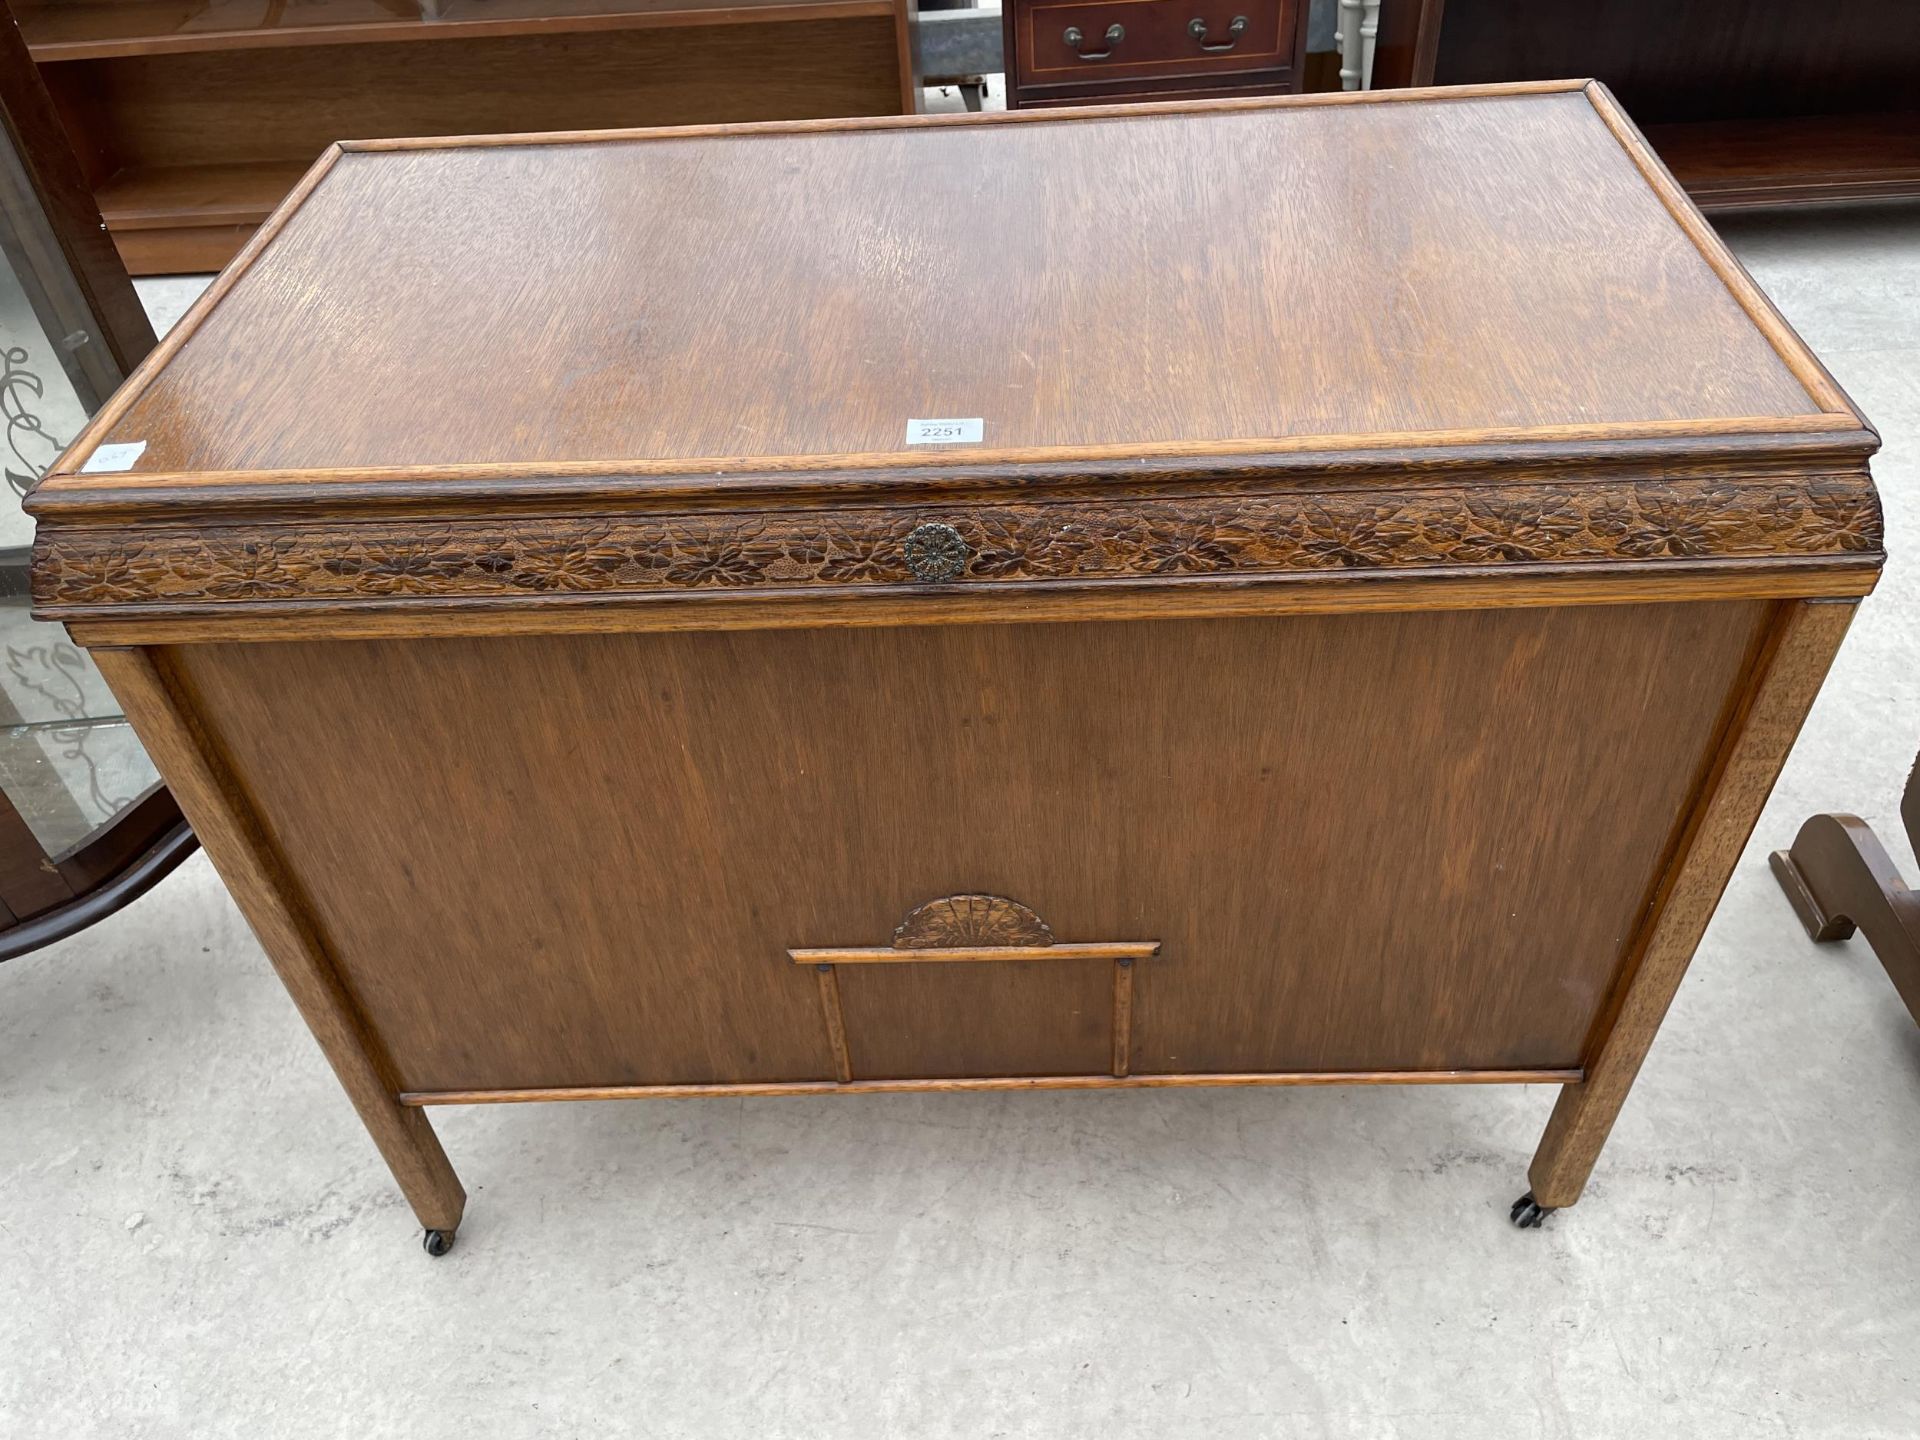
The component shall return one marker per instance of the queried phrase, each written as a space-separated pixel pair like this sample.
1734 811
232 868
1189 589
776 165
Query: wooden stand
1839 878
194 120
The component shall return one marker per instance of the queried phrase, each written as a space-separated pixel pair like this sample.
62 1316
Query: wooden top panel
1163 281
1235 357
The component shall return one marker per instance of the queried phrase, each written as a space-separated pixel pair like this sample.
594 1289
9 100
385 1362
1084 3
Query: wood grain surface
1521 273
634 830
952 1021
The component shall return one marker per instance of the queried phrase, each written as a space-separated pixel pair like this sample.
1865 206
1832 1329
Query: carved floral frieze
1064 540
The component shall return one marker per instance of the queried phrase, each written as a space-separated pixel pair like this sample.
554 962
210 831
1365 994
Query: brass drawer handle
1198 29
1076 37
935 552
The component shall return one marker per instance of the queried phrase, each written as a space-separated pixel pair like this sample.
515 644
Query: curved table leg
1839 877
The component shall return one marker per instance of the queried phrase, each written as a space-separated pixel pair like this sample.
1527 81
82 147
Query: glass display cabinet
85 825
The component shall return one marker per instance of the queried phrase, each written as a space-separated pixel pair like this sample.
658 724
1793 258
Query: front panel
1365 842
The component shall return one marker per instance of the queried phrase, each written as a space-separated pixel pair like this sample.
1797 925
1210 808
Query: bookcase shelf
105 29
1760 103
1741 164
193 118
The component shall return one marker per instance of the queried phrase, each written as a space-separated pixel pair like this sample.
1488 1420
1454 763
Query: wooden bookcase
193 118
1748 102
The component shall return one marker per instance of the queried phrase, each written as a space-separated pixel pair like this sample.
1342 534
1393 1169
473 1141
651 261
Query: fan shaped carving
963 921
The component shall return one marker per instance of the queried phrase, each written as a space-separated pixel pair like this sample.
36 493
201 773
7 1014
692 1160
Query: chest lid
600 361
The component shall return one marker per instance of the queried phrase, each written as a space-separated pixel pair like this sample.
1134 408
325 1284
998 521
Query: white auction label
111 459
946 432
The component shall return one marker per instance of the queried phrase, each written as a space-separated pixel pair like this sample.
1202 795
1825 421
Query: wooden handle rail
970 929
888 955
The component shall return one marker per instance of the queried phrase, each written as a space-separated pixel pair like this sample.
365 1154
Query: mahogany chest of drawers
1341 627
1083 52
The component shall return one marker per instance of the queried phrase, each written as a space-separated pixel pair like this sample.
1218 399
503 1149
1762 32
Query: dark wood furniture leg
1839 876
225 823
1786 678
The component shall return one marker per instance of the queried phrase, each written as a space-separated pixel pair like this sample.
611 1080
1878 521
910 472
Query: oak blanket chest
1321 594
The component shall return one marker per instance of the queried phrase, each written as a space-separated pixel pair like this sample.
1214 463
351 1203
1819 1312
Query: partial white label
946 432
111 459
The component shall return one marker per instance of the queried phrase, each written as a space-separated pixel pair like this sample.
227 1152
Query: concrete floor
196 1239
